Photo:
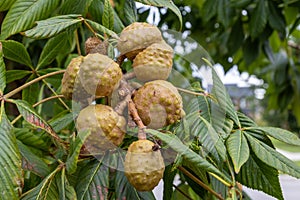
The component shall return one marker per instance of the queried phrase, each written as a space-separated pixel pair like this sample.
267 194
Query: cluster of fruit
157 101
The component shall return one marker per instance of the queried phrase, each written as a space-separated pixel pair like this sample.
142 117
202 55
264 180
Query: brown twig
136 118
182 192
199 182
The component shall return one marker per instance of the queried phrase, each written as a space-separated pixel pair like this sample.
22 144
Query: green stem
199 182
15 91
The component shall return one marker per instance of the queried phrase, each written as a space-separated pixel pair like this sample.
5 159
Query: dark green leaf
46 190
236 37
250 50
6 4
279 134
53 26
53 48
276 18
258 18
12 75
23 13
32 117
265 178
174 142
168 179
272 158
62 120
162 3
16 51
3 79
75 7
209 9
31 162
130 13
118 24
223 12
75 146
238 149
108 15
29 94
93 182
33 139
96 10
66 191
10 161
100 28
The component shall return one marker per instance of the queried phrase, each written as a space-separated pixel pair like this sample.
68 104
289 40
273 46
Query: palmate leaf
273 158
265 178
93 181
130 13
33 139
53 26
162 3
16 51
174 142
2 72
75 7
32 162
279 134
238 149
10 161
23 13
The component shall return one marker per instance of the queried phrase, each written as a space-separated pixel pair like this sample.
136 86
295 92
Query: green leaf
276 18
29 94
75 7
209 9
12 75
214 138
53 26
236 37
130 13
10 161
16 51
62 120
174 142
258 18
53 48
102 29
32 117
272 158
238 149
279 134
33 139
168 179
265 179
66 191
223 12
108 15
96 10
75 146
6 4
250 50
162 3
31 162
23 13
3 79
46 190
93 181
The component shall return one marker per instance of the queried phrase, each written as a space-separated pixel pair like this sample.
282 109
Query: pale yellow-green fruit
99 74
136 37
106 126
158 104
144 168
154 63
71 86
